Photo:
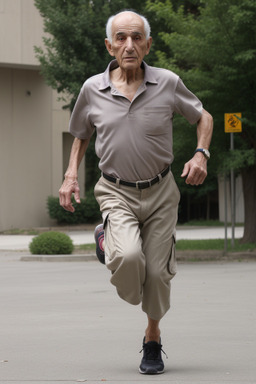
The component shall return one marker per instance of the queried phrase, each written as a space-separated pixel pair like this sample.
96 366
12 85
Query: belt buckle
143 184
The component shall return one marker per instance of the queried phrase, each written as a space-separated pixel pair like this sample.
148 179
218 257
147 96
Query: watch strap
205 152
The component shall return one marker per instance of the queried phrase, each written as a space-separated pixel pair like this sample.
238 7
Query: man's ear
109 47
149 43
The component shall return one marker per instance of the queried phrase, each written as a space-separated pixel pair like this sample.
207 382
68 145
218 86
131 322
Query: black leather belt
138 184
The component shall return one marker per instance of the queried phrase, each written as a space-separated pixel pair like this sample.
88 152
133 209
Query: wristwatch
205 152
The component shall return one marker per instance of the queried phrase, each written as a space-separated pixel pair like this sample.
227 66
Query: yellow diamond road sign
233 122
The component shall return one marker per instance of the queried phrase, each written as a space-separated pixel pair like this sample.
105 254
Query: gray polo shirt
134 139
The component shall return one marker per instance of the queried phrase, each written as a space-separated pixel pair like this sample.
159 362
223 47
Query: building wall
21 28
32 123
32 148
25 147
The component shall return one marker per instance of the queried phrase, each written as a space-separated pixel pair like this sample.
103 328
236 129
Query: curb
181 256
60 258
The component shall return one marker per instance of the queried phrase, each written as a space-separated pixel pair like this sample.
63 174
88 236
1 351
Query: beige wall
21 28
32 149
25 148
32 123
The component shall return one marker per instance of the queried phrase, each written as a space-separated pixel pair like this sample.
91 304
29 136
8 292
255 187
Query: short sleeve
80 125
187 104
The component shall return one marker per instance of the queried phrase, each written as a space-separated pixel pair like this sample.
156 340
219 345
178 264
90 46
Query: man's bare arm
70 184
195 170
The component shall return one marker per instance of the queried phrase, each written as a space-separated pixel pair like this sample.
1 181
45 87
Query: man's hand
195 170
69 186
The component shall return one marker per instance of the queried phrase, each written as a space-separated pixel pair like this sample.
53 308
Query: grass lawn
213 244
195 245
207 223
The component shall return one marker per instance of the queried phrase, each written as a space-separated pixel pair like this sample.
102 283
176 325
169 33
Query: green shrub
85 212
51 243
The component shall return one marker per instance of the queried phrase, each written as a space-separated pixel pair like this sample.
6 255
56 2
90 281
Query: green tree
214 52
184 136
74 47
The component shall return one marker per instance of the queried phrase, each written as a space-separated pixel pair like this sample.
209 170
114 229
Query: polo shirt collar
149 76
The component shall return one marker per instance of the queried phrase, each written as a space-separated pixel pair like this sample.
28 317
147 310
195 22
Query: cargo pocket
105 219
109 242
172 263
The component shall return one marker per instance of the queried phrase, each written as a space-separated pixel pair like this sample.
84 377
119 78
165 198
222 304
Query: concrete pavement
63 323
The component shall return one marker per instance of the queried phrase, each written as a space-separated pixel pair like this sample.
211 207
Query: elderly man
131 106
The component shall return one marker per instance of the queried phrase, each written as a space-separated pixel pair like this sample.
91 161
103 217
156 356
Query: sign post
233 124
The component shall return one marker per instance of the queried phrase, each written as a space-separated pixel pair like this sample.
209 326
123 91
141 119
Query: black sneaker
99 237
151 363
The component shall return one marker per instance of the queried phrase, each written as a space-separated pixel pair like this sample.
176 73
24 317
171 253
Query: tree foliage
74 46
214 52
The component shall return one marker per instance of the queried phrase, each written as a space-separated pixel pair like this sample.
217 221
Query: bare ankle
152 335
152 331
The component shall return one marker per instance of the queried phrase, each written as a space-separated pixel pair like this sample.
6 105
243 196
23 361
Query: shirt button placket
130 112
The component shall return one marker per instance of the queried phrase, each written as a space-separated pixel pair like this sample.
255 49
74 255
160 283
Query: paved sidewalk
21 242
63 323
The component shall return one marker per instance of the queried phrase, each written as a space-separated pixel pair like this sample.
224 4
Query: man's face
129 44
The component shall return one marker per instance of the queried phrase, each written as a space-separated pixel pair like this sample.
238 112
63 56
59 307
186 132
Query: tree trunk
249 189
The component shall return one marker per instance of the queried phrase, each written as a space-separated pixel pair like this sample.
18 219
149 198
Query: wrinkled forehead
127 22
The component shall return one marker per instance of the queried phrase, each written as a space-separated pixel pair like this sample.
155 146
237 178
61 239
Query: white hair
110 22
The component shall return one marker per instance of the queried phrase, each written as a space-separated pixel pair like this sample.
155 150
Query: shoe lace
152 351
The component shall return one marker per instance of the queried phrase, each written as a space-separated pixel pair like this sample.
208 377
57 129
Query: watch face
206 153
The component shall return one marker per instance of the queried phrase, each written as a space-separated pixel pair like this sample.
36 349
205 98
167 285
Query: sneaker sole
151 372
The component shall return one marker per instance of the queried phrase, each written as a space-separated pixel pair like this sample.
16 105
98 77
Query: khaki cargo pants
140 241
